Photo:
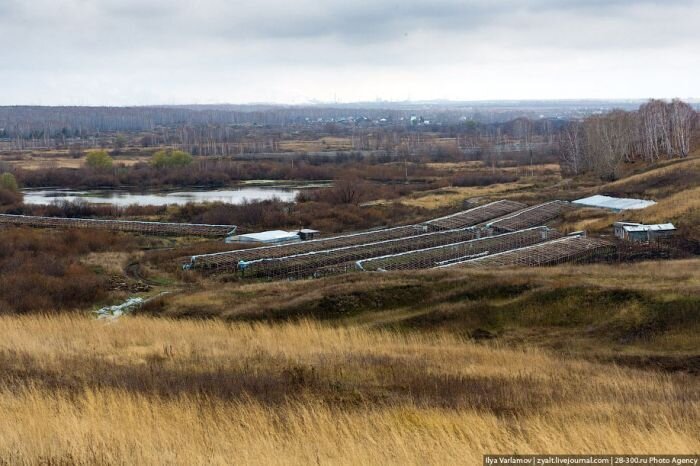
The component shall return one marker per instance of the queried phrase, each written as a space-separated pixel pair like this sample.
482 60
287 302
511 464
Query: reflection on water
123 198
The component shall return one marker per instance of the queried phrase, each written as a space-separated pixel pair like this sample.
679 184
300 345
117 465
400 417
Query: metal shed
307 234
638 232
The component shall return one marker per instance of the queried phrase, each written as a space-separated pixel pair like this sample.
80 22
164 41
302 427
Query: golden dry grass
147 391
111 262
675 206
641 309
588 219
328 143
672 184
452 197
652 276
667 170
227 300
58 159
681 208
481 166
456 166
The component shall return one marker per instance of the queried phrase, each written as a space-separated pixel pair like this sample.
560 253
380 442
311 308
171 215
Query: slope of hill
641 309
674 185
423 367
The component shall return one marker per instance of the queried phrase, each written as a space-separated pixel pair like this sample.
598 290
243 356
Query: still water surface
125 198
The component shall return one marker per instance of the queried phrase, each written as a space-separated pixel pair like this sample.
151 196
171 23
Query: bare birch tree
572 148
682 119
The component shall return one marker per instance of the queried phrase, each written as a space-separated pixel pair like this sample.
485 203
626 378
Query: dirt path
133 271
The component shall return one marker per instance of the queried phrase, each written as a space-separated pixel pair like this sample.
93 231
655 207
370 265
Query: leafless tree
665 129
347 190
572 148
682 119
654 130
609 141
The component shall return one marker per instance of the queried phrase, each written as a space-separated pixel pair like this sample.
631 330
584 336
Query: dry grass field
662 179
626 312
428 367
42 160
529 184
328 143
153 391
453 196
673 184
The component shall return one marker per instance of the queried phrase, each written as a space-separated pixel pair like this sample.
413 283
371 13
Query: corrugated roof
656 227
615 203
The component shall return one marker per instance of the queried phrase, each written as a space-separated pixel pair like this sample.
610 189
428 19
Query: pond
159 198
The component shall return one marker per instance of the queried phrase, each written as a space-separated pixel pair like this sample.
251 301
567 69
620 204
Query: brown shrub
39 270
482 179
9 198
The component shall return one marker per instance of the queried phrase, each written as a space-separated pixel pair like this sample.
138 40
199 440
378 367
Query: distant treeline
45 123
52 122
230 133
226 130
598 142
212 173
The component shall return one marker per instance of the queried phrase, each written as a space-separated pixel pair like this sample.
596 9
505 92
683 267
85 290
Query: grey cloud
351 23
385 19
248 42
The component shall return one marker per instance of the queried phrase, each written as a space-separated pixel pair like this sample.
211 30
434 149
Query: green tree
98 160
10 194
8 182
120 141
169 158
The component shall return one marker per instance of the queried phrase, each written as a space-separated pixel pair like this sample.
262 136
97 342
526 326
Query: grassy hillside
422 367
659 180
676 188
635 309
153 391
674 185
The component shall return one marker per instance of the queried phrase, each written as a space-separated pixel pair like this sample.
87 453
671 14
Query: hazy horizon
378 103
158 52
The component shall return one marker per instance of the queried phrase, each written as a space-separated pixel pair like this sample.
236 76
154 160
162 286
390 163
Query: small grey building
641 233
307 234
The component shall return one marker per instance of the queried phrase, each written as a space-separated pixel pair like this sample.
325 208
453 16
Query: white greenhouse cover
273 236
614 203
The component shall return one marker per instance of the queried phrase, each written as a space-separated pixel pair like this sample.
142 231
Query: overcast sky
125 52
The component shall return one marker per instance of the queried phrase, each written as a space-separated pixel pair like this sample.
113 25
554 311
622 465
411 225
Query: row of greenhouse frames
131 226
500 233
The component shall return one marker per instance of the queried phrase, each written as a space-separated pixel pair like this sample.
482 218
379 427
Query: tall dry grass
660 180
639 308
154 391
